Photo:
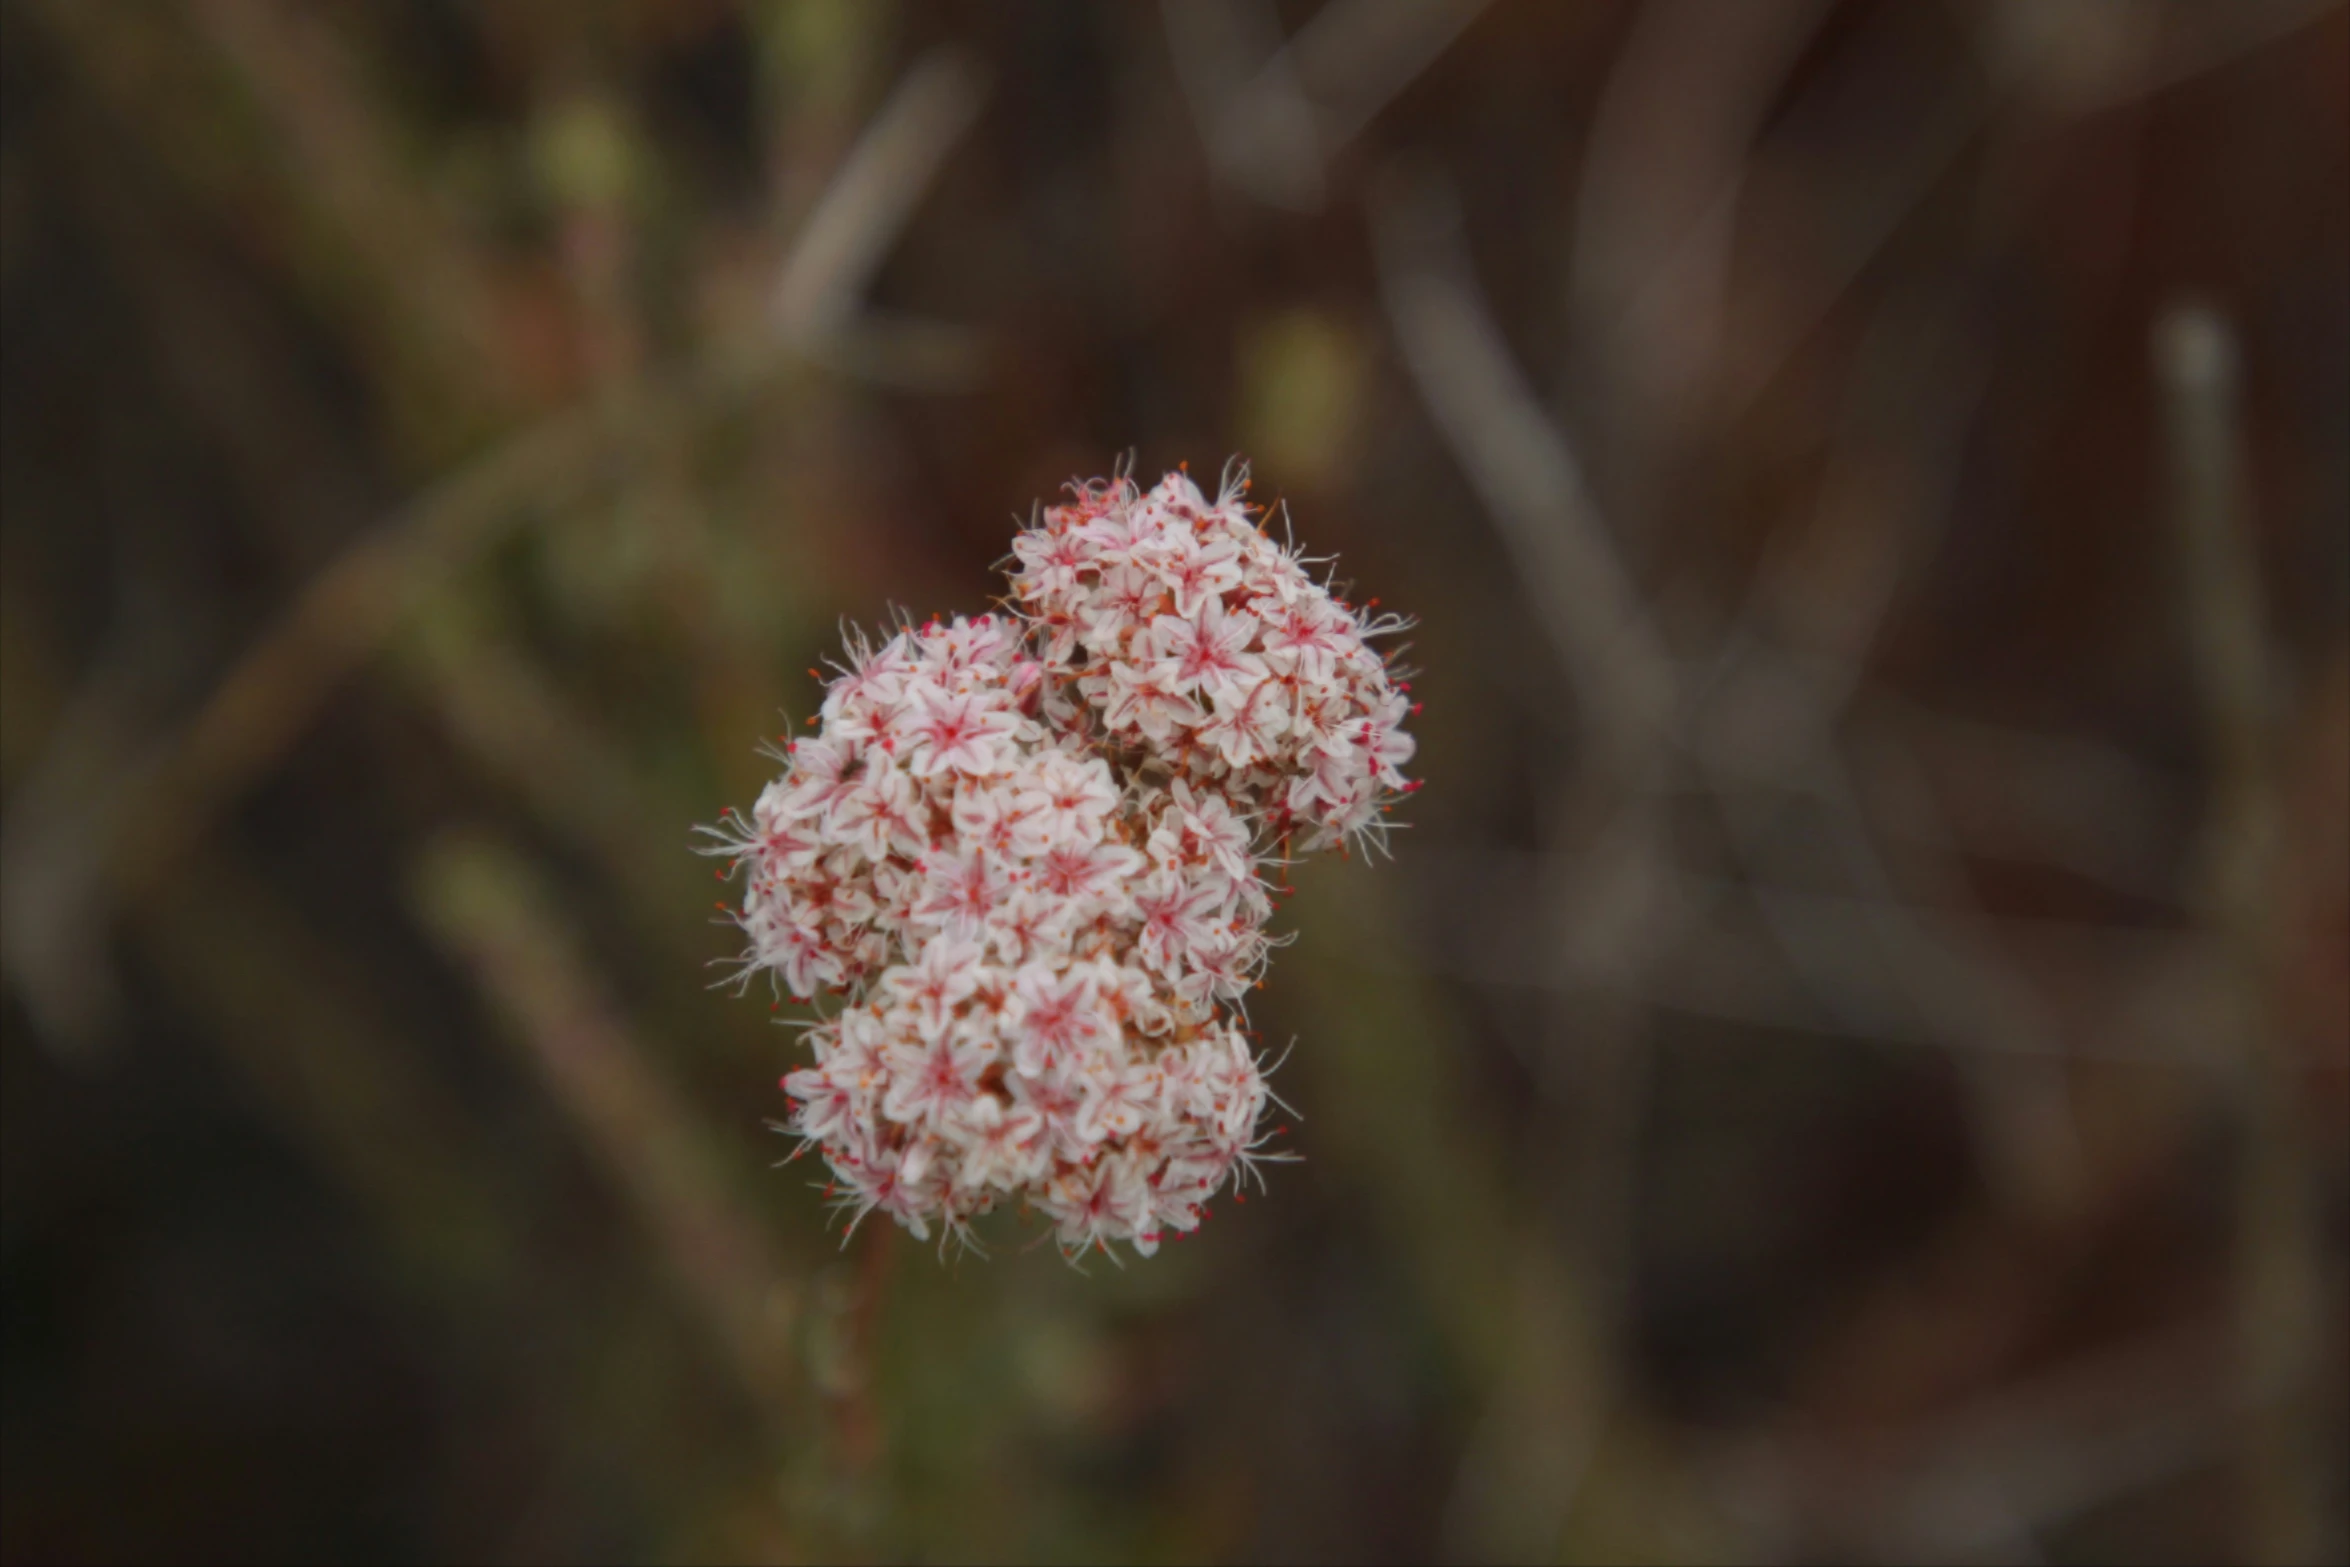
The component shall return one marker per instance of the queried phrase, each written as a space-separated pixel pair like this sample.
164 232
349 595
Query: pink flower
1142 699
1386 748
828 1105
1062 1020
1123 603
960 891
1303 638
880 817
1224 965
1175 911
1000 1146
885 1184
935 1078
1205 650
1247 722
995 817
1201 830
1117 1100
1050 561
1030 923
1068 800
1097 1204
795 950
1198 570
1085 871
1054 1101
962 732
945 975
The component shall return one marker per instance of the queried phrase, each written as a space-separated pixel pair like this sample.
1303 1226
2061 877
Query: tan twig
1657 202
1253 116
1861 959
1769 739
820 290
341 616
1609 929
2279 1270
2089 57
486 907
1520 465
53 945
1354 57
1988 1480
339 161
1272 127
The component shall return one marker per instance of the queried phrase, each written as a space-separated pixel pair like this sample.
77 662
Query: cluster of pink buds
1026 852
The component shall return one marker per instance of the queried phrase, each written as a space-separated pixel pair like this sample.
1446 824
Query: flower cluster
1197 639
1034 876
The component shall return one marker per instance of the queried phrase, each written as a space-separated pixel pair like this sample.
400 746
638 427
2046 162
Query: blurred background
1848 1061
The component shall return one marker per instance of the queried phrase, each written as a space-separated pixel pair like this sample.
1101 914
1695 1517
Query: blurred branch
2071 802
338 161
1656 205
341 616
2087 56
1607 930
1352 58
295 1019
1519 464
818 303
2022 1111
1768 735
1560 1451
2257 27
1272 127
1865 957
526 732
294 475
1988 1480
487 908
2278 1267
53 944
1252 114
1913 951
1816 191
